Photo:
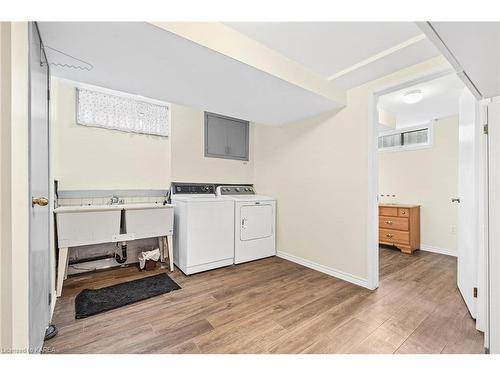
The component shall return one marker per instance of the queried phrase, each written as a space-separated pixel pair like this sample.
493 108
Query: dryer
203 228
254 222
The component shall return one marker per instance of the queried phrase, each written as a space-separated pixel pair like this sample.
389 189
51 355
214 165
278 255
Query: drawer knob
388 221
403 212
389 235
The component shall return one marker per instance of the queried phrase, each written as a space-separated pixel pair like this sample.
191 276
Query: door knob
455 200
41 201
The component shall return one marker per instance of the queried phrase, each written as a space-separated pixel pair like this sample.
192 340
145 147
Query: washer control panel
235 190
186 188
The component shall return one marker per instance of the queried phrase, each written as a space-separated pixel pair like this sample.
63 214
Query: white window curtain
123 113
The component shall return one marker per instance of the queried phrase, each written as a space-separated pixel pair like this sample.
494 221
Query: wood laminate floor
275 306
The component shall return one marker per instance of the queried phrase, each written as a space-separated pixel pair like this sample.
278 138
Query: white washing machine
203 228
254 223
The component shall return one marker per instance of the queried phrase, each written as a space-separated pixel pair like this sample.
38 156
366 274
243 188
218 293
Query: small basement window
226 137
119 111
406 139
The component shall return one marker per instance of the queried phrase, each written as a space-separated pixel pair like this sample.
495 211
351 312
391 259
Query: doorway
411 173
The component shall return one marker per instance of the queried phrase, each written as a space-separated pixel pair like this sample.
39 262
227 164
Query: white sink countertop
111 207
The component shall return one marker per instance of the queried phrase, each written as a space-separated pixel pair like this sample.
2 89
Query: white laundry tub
85 225
145 220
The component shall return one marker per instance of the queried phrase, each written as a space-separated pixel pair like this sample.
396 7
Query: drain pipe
122 258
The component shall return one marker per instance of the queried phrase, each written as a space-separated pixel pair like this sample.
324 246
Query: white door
467 254
494 223
39 258
256 222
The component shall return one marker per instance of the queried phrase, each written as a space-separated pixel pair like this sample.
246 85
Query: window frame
428 144
226 156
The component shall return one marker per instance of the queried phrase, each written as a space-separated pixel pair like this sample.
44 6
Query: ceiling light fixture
413 96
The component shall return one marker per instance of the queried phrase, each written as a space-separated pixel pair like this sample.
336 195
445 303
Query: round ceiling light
413 96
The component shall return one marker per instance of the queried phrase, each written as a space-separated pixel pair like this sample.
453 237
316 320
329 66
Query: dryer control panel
235 190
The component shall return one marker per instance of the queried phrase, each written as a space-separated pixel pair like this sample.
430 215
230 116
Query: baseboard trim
324 269
438 250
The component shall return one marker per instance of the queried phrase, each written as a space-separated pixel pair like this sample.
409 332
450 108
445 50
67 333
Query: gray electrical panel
226 137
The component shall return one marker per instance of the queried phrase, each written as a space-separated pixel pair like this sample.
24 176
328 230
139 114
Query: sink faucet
115 200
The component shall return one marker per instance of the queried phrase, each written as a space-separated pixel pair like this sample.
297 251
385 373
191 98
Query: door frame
492 279
373 174
373 167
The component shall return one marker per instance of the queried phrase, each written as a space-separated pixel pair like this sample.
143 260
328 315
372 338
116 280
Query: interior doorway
428 187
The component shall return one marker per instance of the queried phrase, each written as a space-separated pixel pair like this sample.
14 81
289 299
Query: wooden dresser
399 225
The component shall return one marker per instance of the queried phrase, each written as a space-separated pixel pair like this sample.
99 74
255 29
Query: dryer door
256 221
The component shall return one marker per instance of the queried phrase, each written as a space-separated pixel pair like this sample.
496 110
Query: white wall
189 163
428 177
5 316
95 158
318 170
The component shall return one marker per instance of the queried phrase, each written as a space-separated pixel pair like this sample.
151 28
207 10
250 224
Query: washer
203 228
254 222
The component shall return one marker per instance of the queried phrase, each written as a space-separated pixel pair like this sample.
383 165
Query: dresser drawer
388 222
388 211
403 212
393 236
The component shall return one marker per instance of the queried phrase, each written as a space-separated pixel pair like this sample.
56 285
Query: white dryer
203 228
254 223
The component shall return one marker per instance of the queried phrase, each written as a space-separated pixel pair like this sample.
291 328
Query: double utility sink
87 225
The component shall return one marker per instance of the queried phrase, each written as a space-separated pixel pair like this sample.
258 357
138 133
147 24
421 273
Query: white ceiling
140 58
440 99
472 47
330 47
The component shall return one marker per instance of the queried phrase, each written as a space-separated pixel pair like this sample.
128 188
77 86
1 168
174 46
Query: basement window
406 139
124 112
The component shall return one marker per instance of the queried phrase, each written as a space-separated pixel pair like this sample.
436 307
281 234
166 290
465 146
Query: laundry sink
92 224
84 225
145 220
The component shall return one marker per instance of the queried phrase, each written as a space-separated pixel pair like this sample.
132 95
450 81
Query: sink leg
170 252
162 249
165 250
62 269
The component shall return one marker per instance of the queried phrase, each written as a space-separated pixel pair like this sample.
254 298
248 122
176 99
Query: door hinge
475 292
485 120
50 299
48 94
